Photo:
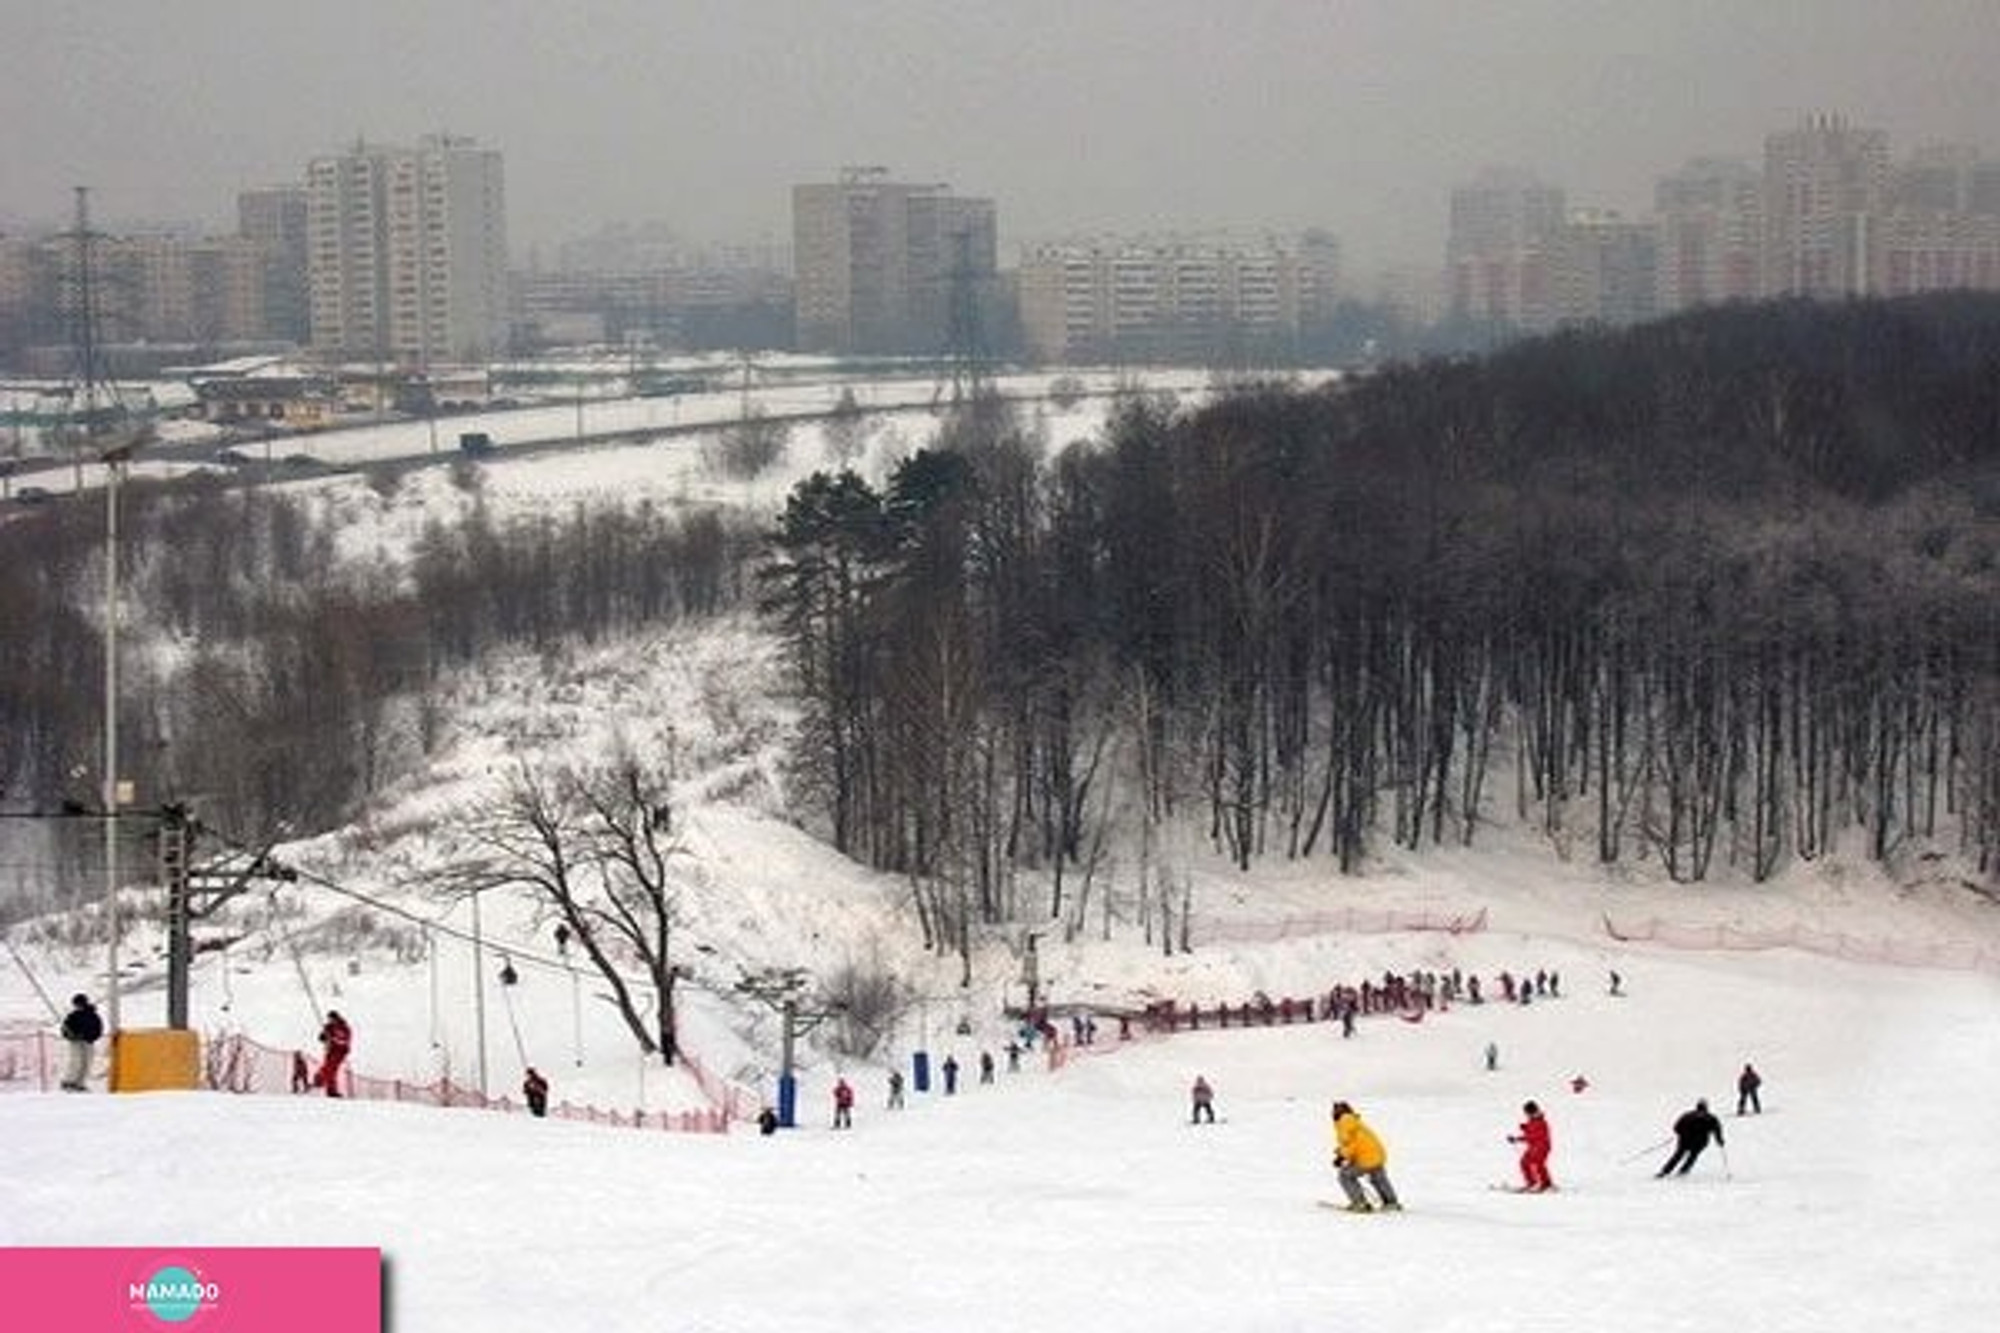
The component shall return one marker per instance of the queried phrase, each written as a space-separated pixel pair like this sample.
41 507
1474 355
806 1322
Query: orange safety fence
235 1063
1956 955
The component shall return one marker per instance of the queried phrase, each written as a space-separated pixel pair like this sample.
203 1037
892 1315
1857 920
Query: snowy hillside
1081 1198
1068 1195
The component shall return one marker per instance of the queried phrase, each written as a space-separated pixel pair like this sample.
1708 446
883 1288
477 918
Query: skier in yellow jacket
1360 1155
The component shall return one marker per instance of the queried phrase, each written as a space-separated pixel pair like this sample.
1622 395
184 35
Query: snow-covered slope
1068 1197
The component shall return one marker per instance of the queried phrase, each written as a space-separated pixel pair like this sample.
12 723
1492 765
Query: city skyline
1358 117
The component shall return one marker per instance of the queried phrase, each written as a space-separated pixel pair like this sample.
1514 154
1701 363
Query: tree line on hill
280 682
1714 591
1721 591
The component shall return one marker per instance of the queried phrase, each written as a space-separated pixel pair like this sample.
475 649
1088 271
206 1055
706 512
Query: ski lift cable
440 926
33 980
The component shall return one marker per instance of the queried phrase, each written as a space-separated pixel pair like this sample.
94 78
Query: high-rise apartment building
273 218
1603 269
1173 299
1499 254
885 267
1943 229
1709 233
164 289
1826 187
407 252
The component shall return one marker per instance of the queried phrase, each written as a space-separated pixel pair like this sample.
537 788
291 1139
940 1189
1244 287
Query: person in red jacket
843 1105
1533 1135
336 1039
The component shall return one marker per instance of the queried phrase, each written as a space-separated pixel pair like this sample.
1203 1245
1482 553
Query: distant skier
336 1039
986 1066
950 1075
1359 1154
1747 1084
895 1090
843 1104
1691 1134
1492 1056
81 1028
536 1089
1204 1101
767 1121
1533 1135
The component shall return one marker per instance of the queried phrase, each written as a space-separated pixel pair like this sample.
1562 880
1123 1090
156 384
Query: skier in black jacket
1691 1134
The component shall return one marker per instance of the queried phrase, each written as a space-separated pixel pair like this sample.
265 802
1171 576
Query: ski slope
1076 1198
1080 1198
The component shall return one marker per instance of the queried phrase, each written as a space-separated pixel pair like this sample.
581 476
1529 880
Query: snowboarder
81 1027
536 1089
1359 1154
1204 1102
1691 1134
336 1039
1747 1084
1533 1135
843 1104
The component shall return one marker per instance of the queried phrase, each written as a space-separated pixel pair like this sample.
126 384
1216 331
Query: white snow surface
1081 1198
1063 1198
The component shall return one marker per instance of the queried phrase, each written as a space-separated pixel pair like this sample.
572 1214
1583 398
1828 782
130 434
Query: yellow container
155 1060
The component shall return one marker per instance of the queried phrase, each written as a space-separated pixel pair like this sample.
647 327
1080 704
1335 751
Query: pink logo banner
198 1288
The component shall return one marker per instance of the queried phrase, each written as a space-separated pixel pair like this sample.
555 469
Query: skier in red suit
336 1040
1533 1135
843 1105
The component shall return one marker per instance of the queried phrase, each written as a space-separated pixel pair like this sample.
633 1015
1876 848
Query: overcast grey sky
1073 114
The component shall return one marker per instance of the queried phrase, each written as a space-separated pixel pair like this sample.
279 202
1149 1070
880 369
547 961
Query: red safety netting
232 1062
1955 955
30 1060
1351 920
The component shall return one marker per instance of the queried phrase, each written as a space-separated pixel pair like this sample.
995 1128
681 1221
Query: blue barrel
788 1100
920 1071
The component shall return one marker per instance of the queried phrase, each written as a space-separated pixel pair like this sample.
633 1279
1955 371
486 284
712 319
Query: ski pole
1723 1148
1647 1150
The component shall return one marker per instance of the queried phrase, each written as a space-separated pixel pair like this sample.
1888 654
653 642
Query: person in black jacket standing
1691 1134
81 1027
1747 1084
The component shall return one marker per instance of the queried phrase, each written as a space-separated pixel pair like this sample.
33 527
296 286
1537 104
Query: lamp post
114 463
479 991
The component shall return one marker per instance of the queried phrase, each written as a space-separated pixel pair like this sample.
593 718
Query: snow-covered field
1081 1198
1059 1198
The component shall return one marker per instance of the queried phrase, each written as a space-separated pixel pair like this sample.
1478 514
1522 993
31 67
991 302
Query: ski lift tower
780 988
